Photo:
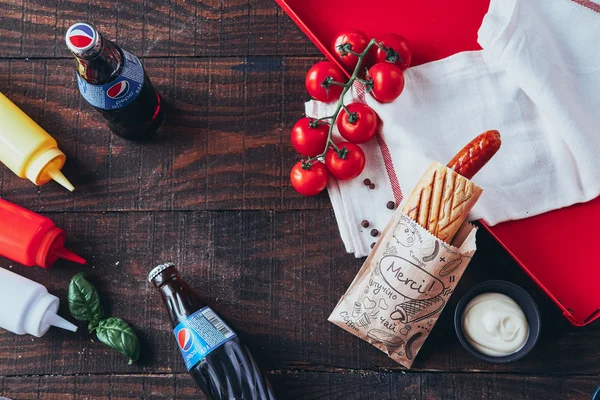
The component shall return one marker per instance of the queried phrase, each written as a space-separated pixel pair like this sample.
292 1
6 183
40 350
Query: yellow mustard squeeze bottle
28 150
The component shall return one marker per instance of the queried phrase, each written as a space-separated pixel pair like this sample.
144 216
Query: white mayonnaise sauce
495 325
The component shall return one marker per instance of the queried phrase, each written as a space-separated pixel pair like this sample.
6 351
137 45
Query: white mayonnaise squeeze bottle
27 307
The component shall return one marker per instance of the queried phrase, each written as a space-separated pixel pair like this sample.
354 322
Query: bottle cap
67 254
81 38
53 319
158 269
42 315
59 178
47 166
52 248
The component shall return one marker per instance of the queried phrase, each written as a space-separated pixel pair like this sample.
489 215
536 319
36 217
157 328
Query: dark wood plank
430 386
11 27
225 143
275 276
225 148
263 134
39 20
129 25
310 386
189 185
157 28
292 40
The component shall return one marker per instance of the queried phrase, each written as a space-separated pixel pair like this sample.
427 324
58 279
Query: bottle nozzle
61 252
58 321
58 177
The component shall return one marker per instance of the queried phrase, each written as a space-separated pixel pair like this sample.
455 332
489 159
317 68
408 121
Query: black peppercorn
374 232
372 244
364 223
367 182
390 205
372 186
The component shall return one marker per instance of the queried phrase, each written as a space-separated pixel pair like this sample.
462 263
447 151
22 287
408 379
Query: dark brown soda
229 372
139 119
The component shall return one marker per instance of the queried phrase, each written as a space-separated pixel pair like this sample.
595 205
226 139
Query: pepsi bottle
221 365
115 83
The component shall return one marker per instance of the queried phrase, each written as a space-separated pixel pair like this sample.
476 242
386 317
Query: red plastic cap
67 254
52 248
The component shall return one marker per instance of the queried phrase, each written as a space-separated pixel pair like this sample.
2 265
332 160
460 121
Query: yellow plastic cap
47 166
59 178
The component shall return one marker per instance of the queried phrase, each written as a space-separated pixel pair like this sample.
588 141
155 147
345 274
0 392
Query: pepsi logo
81 36
118 90
185 339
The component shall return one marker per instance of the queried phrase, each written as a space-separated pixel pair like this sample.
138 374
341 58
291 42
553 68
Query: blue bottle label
201 333
118 93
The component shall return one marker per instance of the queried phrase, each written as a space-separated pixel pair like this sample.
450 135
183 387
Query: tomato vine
356 122
340 103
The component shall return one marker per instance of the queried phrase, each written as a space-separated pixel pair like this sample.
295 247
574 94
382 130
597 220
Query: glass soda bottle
115 83
221 365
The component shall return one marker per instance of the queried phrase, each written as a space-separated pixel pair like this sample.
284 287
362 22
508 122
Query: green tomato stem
314 123
338 84
350 51
345 109
340 103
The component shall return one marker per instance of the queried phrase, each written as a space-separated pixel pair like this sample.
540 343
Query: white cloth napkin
537 81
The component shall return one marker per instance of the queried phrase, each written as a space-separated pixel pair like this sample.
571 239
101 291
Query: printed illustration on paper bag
402 288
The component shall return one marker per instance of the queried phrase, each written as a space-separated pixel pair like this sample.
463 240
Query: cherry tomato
387 82
350 39
398 51
309 138
310 178
348 163
317 81
358 127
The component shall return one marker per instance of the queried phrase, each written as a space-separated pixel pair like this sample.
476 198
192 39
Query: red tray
437 29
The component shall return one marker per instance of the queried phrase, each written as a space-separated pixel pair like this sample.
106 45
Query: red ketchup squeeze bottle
31 239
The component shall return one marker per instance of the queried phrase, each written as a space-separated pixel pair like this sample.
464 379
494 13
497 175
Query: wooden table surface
211 193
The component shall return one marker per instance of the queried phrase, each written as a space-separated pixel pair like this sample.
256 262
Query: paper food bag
403 286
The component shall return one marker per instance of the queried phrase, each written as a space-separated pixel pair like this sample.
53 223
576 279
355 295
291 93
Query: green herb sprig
84 305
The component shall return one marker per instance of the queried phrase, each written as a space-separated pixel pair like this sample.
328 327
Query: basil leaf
116 333
84 303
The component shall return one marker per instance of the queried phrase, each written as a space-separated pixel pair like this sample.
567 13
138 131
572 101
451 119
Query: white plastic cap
56 320
43 315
